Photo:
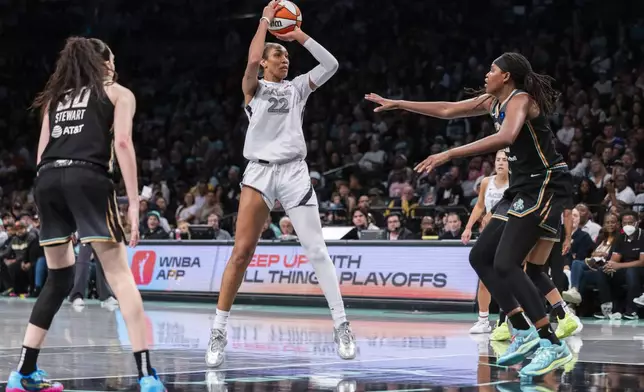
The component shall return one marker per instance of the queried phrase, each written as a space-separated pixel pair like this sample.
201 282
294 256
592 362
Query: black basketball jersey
81 128
532 157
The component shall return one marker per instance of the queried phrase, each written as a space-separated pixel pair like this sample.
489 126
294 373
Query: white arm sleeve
328 64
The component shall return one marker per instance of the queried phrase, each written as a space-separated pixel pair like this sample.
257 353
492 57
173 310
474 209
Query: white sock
306 222
483 316
221 319
567 273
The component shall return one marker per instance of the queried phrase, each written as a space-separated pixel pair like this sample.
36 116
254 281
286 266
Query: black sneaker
599 315
631 316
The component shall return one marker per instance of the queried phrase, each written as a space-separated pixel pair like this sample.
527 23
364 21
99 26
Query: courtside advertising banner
398 272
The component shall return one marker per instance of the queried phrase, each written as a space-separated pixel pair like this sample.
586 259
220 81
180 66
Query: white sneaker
572 296
78 302
110 304
345 341
615 316
216 346
481 326
639 300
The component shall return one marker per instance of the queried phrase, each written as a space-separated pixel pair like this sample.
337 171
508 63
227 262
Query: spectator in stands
364 203
153 229
581 245
598 174
167 218
619 191
395 230
4 236
220 234
625 266
183 228
212 205
401 172
566 134
405 204
20 257
587 193
453 228
586 223
374 159
188 210
579 267
427 229
634 178
287 229
360 219
270 231
449 193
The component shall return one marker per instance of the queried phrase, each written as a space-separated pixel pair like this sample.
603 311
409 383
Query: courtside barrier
419 271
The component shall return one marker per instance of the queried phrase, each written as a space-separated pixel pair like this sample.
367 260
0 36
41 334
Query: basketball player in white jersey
276 150
491 192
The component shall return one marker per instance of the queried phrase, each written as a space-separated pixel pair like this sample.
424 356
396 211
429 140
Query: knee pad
537 274
57 287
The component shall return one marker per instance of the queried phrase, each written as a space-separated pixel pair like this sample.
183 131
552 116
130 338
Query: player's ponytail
538 86
81 63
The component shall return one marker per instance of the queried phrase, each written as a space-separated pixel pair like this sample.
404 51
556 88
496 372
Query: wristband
266 19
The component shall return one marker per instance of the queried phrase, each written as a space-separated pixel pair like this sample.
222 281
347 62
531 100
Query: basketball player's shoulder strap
514 93
495 102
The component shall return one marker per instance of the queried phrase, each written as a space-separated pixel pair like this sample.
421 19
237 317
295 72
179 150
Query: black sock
143 364
519 321
502 317
559 309
546 332
28 358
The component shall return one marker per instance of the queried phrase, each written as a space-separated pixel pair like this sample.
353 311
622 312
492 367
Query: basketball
286 18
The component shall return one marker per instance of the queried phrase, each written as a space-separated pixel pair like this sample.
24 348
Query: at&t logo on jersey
59 131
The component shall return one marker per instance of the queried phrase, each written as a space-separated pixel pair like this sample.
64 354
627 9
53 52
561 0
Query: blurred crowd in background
184 61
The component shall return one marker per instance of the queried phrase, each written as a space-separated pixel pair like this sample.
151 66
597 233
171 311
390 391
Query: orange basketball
286 18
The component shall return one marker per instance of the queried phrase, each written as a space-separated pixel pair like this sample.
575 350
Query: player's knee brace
541 280
57 287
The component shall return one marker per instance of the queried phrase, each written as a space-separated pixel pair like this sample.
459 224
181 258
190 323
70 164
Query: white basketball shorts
289 183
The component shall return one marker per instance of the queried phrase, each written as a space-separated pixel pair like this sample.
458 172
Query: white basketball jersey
275 115
493 194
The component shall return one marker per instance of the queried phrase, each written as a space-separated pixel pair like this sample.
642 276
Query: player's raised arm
328 64
249 82
476 106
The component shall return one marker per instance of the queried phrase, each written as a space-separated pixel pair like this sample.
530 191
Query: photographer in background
626 265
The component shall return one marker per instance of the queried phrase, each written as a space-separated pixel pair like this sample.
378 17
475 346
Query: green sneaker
501 333
568 326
